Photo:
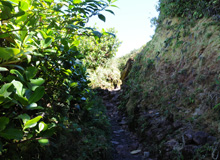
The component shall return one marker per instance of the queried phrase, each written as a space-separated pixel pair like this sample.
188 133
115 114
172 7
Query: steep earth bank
171 94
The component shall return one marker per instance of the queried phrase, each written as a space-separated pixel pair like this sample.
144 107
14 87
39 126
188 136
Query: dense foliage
44 93
97 51
190 9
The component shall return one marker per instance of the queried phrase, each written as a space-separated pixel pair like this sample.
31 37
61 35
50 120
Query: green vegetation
50 62
189 9
98 50
105 77
174 79
47 109
99 59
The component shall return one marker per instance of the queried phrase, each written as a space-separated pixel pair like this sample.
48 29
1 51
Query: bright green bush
44 93
97 50
105 77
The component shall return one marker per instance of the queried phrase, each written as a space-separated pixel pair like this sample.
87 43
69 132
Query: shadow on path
125 144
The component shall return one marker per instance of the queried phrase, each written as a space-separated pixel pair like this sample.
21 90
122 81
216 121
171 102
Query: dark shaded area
125 144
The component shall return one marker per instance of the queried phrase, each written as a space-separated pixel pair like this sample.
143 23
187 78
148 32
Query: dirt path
125 144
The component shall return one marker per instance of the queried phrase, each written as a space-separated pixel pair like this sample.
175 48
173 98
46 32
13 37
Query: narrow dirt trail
125 144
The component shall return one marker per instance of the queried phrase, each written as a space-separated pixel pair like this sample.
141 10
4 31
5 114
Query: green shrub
44 92
97 51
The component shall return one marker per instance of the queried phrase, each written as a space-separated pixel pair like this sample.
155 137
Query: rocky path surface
175 137
125 143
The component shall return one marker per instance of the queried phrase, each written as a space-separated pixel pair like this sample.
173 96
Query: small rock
123 122
211 140
188 136
135 151
109 105
119 148
114 142
115 98
146 154
200 137
112 94
198 112
119 131
177 124
134 146
122 150
160 137
171 145
106 97
117 103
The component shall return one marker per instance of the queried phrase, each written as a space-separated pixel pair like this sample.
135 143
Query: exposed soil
174 134
125 144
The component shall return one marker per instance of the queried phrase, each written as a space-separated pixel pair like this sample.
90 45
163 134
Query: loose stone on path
125 145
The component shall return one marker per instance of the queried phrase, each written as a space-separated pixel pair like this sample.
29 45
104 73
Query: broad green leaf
114 6
2 69
6 9
7 53
15 66
20 13
3 122
4 35
47 42
25 117
34 106
11 133
18 74
102 17
37 95
4 90
18 86
77 1
38 81
23 34
216 106
76 43
25 40
23 5
22 100
22 18
97 33
74 84
6 13
42 43
29 58
50 131
30 72
8 4
71 26
43 34
32 123
15 1
8 104
67 72
42 126
43 142
50 50
110 11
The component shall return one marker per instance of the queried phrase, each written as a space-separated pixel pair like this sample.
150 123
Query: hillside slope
172 93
